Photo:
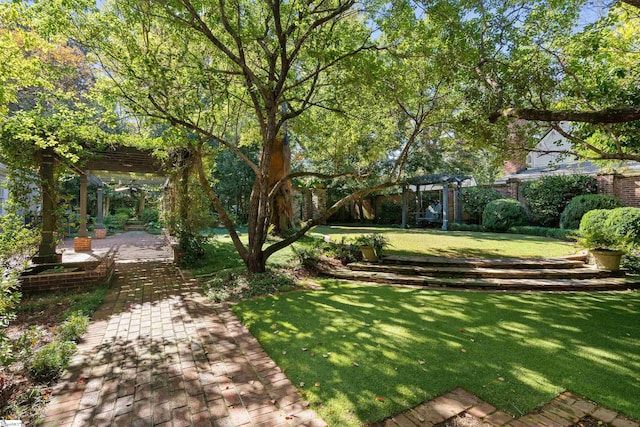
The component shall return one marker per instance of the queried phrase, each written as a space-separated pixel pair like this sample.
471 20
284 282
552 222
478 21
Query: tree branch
282 180
176 121
621 115
322 218
217 204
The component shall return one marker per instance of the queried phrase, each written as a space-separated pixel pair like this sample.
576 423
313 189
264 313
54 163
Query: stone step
602 284
135 227
572 261
483 272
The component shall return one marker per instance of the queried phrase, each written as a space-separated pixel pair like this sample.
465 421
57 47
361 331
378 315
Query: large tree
230 74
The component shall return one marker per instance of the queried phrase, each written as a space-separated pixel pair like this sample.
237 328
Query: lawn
435 242
221 254
351 344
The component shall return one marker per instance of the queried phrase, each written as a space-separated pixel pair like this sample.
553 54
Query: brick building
621 180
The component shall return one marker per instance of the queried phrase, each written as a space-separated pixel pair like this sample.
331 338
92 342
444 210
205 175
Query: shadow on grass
515 351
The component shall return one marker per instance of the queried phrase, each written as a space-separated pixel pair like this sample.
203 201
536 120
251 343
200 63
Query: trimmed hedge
579 205
502 214
625 222
547 197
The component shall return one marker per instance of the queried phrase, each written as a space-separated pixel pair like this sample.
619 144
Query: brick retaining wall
93 273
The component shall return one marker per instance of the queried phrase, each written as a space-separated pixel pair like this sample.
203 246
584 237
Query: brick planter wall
94 273
82 244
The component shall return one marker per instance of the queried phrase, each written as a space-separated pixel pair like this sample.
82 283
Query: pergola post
100 232
82 243
445 205
47 249
404 206
459 203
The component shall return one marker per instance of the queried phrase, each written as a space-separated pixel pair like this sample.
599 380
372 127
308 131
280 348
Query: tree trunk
47 249
183 195
282 205
143 195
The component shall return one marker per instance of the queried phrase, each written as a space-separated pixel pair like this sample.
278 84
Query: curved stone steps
572 272
571 261
602 284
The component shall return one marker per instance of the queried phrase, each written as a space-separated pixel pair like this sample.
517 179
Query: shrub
50 360
234 286
117 221
594 232
579 205
346 253
475 199
611 229
631 262
73 328
625 222
389 213
154 228
129 212
547 197
309 257
192 245
502 214
150 215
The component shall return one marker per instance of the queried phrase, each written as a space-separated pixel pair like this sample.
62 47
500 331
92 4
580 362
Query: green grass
221 254
456 243
521 350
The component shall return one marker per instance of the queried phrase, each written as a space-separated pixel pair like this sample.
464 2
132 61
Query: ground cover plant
455 243
359 353
42 340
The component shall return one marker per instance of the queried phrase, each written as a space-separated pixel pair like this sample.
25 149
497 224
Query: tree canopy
354 92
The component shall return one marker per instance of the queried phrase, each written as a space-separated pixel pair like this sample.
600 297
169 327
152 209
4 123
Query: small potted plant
371 246
606 246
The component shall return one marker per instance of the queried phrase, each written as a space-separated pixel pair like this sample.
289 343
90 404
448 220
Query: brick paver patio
159 353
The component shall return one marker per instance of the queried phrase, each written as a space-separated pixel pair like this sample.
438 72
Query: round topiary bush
594 232
475 199
502 214
625 222
579 205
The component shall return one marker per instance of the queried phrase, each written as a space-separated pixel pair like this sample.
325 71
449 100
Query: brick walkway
159 353
564 410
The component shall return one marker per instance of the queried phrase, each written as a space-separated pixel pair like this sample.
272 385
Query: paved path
159 353
132 246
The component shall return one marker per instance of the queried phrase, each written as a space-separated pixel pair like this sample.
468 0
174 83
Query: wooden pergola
115 159
443 180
